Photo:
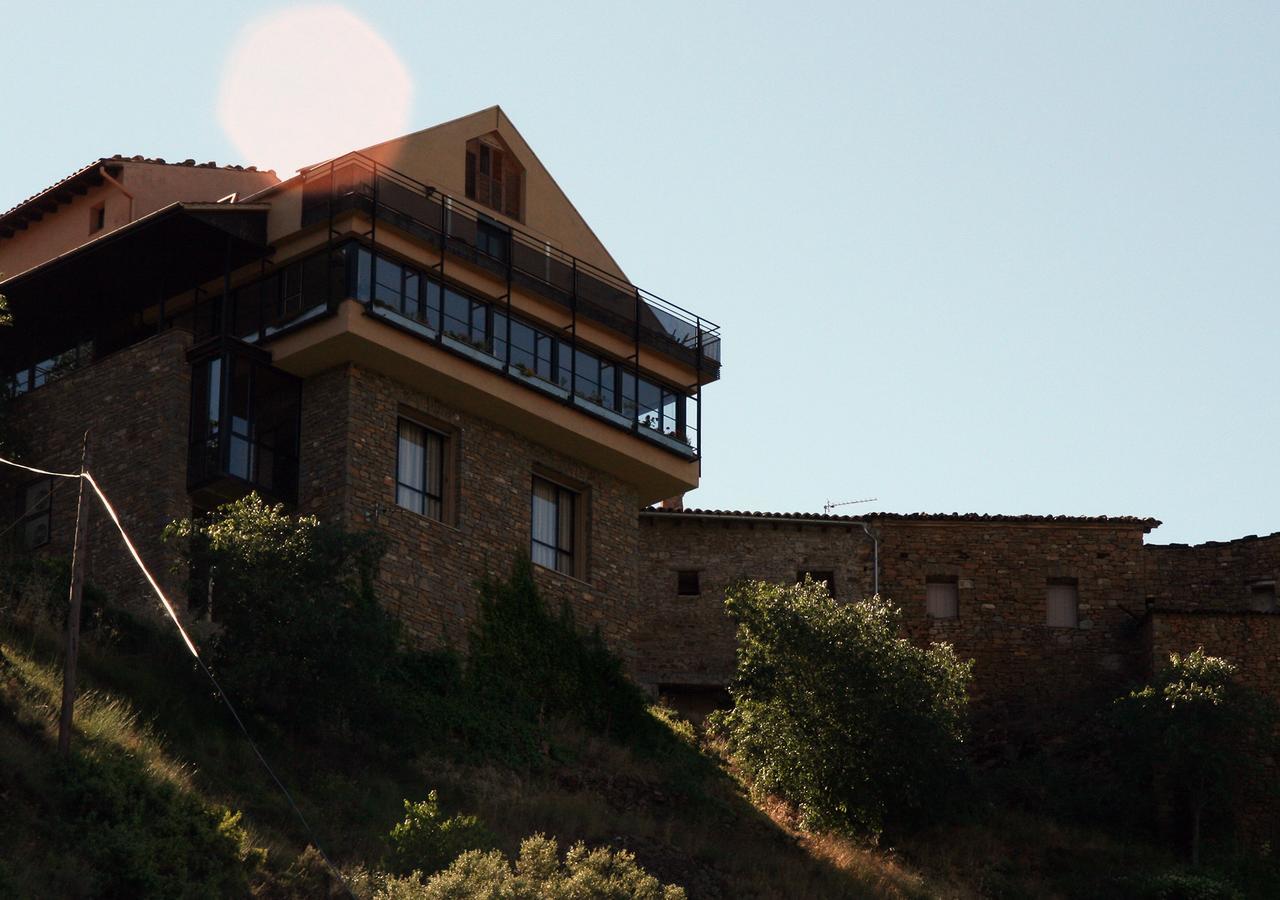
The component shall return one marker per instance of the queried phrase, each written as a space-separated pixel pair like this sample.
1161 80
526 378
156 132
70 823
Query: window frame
1050 585
951 581
682 584
431 430
571 562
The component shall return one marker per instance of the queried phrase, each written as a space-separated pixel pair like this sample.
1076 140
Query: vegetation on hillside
442 783
836 712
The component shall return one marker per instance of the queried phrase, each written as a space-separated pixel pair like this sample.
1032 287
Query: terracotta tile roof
78 181
1131 521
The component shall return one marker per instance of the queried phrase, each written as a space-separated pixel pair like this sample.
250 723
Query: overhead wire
168 607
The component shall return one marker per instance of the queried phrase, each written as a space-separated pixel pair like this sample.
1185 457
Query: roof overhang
36 207
129 269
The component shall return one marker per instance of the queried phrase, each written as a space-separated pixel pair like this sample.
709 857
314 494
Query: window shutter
942 599
471 175
1063 606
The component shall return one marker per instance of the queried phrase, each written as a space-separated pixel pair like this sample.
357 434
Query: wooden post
73 609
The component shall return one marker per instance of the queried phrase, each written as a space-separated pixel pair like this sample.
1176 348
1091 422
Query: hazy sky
1015 258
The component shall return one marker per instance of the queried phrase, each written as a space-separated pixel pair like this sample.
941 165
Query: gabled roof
79 182
556 202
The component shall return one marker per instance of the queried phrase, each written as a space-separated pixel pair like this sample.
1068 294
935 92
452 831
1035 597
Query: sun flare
308 83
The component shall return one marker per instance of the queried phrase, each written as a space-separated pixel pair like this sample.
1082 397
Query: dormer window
494 178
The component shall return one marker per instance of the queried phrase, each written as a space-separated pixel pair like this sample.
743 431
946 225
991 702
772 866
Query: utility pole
78 554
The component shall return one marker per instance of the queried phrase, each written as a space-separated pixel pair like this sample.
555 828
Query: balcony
357 183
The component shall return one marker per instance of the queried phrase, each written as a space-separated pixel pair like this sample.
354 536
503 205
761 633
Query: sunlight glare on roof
309 83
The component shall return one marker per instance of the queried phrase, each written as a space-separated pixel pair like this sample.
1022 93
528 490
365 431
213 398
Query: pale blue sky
1015 258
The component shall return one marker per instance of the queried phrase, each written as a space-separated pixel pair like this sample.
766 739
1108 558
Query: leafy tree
426 841
538 872
1198 728
302 636
836 713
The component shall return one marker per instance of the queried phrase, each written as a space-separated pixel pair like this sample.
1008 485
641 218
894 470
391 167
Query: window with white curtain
942 598
554 526
420 470
1063 604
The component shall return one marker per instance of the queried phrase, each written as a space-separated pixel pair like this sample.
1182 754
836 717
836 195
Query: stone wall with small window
135 402
360 463
1238 575
1048 611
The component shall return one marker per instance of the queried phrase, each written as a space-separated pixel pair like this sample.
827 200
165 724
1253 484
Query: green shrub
426 841
138 837
601 874
302 636
533 665
1193 733
833 711
34 591
1179 885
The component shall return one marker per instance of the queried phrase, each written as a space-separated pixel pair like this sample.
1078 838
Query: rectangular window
1262 596
687 583
420 470
942 597
823 575
554 526
35 518
97 218
1063 603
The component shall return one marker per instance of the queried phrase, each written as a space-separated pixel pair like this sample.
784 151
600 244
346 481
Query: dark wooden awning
127 270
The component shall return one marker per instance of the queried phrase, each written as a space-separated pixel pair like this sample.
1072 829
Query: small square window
687 583
942 597
1262 596
1062 603
35 513
97 218
823 575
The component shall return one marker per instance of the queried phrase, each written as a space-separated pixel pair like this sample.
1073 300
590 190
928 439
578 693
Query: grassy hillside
158 751
146 719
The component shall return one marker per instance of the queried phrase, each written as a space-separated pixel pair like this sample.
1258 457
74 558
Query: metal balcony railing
356 182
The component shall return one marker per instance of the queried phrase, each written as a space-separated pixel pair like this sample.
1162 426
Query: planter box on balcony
541 384
475 353
666 440
603 411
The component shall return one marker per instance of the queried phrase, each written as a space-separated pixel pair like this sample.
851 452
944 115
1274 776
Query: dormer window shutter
471 174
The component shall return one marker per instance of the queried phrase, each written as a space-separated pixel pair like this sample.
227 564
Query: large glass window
554 526
244 424
420 470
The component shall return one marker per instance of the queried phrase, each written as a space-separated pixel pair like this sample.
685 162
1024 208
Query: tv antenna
829 505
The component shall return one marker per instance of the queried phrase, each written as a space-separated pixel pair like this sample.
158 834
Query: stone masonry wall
1002 571
1214 576
688 640
428 576
136 402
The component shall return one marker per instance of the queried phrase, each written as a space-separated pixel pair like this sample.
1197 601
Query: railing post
635 387
698 369
573 333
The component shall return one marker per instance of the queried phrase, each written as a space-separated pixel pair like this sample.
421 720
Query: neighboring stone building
426 338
